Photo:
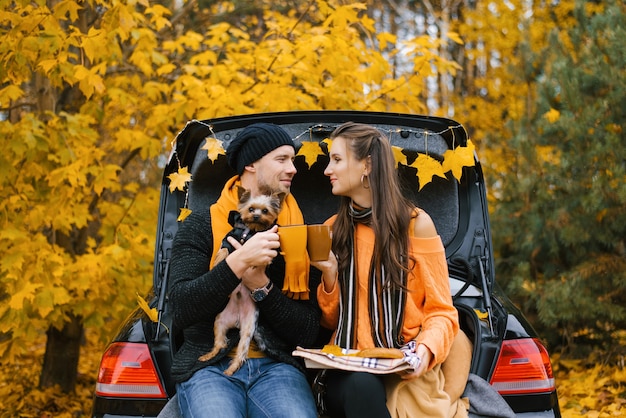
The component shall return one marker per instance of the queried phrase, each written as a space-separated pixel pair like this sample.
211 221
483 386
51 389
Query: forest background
93 92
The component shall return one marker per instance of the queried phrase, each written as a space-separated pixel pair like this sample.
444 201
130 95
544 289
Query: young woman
385 283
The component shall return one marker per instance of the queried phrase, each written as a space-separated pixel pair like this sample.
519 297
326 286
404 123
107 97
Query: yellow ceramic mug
292 240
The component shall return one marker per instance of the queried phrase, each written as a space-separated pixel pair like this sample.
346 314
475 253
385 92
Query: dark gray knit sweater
197 295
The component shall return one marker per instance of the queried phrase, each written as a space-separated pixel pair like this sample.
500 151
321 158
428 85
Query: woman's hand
425 356
328 268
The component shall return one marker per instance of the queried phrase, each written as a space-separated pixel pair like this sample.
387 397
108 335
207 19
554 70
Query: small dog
254 214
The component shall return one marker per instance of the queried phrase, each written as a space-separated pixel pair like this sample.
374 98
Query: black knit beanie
253 142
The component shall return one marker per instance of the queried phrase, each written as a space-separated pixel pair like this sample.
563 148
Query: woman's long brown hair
390 209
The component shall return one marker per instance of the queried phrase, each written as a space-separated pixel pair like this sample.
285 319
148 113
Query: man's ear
251 168
244 195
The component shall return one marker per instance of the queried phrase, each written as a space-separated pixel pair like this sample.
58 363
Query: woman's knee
363 385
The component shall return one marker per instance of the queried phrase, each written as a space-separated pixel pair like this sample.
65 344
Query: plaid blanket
333 357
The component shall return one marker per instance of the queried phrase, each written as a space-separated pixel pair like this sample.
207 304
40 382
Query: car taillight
127 370
523 367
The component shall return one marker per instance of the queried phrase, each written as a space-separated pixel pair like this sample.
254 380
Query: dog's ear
240 191
279 197
244 195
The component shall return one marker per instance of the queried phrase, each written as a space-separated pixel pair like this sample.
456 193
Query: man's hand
258 251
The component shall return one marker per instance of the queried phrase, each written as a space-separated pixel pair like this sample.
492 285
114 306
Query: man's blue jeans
262 387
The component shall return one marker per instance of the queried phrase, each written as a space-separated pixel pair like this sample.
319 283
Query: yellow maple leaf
454 160
27 292
398 155
179 179
151 312
453 36
184 212
310 150
552 115
482 315
67 8
214 147
384 38
427 167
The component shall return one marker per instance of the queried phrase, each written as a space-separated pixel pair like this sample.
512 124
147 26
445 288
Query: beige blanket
436 393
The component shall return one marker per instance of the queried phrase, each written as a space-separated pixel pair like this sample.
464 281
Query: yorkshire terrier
254 214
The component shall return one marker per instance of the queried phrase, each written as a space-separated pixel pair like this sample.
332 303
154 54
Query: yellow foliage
455 37
552 115
593 386
25 292
89 106
548 154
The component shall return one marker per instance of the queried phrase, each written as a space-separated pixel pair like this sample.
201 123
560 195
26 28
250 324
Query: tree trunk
60 363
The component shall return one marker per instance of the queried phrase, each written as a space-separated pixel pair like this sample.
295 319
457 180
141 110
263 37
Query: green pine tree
560 219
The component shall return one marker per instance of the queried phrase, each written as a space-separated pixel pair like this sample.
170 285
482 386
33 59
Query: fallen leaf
151 312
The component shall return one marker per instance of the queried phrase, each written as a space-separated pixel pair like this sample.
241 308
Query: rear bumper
543 414
126 408
539 405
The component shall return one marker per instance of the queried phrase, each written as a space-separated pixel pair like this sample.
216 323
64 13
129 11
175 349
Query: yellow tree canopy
91 95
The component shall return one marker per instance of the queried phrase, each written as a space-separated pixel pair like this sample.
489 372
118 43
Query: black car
134 377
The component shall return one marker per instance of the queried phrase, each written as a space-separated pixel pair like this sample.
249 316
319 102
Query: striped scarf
386 302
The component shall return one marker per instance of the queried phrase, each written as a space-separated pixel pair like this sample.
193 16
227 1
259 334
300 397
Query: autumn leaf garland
179 180
427 167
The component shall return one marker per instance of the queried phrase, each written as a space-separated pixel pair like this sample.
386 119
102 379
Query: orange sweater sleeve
329 304
430 317
329 301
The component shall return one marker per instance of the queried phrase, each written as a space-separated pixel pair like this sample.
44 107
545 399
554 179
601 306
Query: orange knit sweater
430 318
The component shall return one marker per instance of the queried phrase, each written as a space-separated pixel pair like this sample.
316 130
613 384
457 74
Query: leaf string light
213 146
454 160
179 181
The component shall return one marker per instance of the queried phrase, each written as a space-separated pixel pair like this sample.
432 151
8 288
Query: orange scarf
296 283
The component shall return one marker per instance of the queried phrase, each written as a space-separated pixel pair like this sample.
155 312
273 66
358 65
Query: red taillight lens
127 370
523 367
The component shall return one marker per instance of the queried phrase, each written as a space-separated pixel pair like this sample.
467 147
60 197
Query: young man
271 383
